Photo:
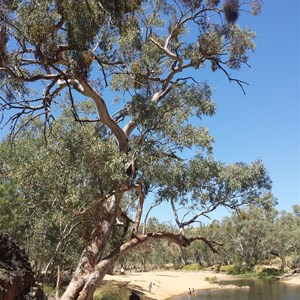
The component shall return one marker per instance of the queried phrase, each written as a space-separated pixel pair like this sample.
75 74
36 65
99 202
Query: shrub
192 267
211 278
112 292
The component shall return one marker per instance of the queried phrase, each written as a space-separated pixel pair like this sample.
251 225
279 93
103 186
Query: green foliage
37 19
211 278
83 20
248 237
269 273
46 186
112 292
11 205
192 267
226 268
264 272
237 269
74 167
210 183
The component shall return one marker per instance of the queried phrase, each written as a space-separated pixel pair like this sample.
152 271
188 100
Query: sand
166 284
294 280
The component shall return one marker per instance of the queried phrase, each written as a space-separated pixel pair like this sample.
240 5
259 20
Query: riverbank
293 280
167 284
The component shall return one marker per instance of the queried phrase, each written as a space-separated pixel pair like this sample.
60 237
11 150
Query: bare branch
29 78
15 118
175 213
154 204
210 243
139 209
196 216
239 82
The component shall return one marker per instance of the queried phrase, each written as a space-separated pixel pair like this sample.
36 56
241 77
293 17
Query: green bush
269 273
226 268
192 267
211 278
237 270
112 292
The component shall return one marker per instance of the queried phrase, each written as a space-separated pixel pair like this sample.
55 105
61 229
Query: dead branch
210 243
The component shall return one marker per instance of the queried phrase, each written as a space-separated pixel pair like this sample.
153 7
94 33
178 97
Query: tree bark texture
94 249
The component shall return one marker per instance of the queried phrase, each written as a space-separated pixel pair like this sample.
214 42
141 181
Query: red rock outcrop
17 280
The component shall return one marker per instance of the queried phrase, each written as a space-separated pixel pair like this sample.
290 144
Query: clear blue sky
265 123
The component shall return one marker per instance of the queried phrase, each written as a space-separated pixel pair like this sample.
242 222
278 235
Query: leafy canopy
128 72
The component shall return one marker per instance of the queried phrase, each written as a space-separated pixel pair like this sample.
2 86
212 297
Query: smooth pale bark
58 279
93 251
104 115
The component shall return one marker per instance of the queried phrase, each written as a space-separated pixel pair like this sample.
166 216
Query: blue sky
263 124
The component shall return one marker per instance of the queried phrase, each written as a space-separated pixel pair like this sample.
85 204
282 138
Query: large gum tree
138 64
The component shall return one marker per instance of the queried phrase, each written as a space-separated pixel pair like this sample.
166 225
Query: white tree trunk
93 251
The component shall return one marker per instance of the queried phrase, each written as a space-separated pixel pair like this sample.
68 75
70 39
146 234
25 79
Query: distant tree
295 254
246 233
296 210
284 237
146 57
44 228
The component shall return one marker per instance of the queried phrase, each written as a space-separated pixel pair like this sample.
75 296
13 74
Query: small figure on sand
191 292
150 286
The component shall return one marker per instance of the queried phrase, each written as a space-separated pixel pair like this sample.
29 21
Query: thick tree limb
178 239
210 243
104 115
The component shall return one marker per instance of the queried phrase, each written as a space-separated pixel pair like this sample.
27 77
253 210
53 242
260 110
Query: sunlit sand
166 284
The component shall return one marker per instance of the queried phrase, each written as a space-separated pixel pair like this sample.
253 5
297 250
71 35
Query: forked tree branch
104 115
178 239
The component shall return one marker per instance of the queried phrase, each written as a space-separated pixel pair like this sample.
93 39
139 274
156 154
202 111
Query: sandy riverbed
166 284
294 280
